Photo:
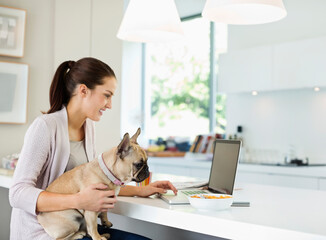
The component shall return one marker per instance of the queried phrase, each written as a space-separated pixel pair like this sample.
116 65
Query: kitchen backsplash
279 124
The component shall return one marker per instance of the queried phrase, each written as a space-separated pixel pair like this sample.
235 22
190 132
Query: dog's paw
107 224
105 236
79 235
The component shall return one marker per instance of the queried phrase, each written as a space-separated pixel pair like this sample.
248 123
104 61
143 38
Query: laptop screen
224 166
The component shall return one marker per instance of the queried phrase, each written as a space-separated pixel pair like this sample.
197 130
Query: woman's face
100 98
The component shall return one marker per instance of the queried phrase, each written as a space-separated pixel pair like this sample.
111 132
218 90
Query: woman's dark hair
88 71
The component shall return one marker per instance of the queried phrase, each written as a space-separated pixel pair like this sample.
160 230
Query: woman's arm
152 188
25 195
48 202
92 198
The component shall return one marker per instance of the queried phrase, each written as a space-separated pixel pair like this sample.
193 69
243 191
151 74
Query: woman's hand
96 198
156 187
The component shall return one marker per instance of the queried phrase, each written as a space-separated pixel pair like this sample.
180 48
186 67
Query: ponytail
58 91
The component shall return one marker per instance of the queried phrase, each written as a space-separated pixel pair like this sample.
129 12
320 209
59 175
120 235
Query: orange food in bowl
210 196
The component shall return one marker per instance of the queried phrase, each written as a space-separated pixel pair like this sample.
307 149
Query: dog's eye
138 165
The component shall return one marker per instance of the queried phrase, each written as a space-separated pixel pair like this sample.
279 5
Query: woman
62 139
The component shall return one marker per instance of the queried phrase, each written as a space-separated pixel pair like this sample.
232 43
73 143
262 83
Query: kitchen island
274 213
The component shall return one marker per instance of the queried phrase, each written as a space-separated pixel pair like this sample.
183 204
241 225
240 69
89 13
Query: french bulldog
116 167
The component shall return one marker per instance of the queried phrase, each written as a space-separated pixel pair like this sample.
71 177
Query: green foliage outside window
185 86
179 79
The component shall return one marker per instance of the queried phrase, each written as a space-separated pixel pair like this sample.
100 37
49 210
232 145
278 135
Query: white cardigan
43 158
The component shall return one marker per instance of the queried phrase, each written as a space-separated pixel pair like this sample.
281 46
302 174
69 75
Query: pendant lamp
244 11
151 21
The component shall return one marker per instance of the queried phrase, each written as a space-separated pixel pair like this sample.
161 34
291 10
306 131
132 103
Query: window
179 86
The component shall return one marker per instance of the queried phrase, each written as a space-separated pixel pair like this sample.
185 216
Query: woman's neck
76 120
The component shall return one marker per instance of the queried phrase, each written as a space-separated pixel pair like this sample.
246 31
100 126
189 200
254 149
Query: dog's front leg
104 219
91 223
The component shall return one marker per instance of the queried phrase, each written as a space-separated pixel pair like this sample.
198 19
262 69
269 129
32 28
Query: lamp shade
244 11
151 21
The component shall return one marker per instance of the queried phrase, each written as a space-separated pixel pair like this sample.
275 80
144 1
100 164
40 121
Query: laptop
222 175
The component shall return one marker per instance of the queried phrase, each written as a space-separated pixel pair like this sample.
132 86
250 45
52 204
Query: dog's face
131 160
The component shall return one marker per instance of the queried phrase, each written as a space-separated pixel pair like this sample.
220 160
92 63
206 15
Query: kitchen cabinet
245 70
278 180
299 64
289 65
322 184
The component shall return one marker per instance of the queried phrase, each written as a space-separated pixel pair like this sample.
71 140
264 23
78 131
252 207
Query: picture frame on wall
13 92
12 31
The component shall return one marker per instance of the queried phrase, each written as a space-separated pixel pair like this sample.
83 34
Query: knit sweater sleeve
23 193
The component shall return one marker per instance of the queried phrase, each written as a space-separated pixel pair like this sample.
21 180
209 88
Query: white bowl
217 202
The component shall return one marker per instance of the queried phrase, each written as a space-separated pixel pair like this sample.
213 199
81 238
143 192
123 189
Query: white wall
88 28
39 56
131 114
282 120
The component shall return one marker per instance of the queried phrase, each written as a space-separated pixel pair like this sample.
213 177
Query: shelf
166 154
5 181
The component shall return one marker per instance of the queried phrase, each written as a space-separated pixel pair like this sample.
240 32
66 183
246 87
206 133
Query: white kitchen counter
180 161
275 213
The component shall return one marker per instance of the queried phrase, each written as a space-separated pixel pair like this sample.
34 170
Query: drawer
322 184
278 180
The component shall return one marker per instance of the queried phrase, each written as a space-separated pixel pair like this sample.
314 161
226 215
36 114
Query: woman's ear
82 90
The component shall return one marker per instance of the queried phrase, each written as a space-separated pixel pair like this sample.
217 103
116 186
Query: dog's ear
135 136
124 146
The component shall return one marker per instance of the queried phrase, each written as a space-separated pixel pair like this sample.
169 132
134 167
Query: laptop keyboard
191 192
